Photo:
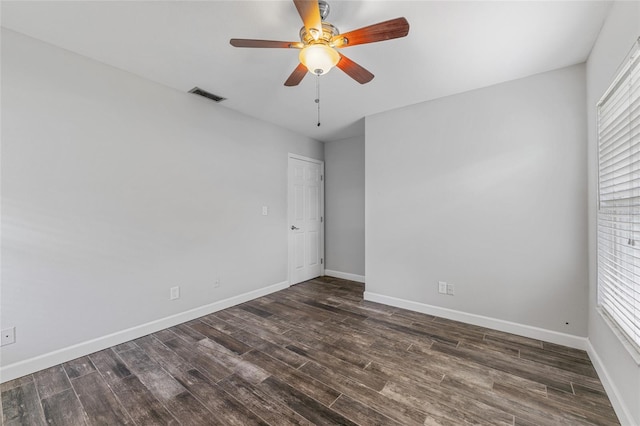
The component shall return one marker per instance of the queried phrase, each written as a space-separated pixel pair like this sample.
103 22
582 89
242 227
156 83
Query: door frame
291 156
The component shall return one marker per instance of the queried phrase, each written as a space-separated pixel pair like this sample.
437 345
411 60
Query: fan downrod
324 9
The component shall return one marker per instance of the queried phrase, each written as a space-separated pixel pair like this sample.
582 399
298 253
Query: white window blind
619 199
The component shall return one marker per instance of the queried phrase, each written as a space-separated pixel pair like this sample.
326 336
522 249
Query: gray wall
618 368
344 194
115 189
484 190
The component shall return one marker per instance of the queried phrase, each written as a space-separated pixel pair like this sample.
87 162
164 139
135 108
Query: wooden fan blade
247 42
387 30
296 76
353 70
310 13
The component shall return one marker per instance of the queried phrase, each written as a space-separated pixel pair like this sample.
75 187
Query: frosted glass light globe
319 58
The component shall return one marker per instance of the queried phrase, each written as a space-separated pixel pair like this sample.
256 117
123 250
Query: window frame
629 70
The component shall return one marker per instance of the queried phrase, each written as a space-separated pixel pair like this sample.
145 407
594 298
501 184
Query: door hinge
321 178
321 260
321 219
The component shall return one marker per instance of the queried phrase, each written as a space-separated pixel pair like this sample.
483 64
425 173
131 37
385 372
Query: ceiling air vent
199 91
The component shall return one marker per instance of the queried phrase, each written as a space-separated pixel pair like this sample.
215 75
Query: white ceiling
452 47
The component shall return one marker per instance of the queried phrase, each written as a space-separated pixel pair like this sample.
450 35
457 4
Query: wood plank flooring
316 353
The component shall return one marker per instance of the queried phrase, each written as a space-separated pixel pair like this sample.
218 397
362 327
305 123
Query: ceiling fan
320 39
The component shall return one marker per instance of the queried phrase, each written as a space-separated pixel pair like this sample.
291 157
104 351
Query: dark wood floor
317 353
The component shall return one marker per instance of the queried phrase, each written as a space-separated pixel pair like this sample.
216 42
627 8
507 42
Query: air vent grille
198 91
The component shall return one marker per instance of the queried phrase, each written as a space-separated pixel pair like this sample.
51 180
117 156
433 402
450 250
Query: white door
306 227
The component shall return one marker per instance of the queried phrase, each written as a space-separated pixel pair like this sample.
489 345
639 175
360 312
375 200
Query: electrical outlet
442 287
216 283
265 210
450 290
174 293
8 336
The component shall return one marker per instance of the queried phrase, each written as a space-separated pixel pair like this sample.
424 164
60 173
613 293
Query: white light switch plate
174 293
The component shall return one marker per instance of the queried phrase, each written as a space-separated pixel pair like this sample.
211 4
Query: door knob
293 228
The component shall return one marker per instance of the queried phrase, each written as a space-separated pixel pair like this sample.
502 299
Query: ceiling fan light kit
318 53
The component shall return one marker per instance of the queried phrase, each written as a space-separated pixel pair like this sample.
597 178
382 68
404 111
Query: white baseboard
622 411
31 365
493 323
344 275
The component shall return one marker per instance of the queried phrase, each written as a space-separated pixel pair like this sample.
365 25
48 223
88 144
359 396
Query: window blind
619 199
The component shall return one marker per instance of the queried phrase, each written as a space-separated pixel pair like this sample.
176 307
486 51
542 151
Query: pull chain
318 95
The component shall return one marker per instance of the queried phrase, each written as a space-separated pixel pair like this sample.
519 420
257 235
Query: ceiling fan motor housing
328 32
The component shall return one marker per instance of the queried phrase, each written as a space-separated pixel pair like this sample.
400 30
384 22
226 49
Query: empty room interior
335 212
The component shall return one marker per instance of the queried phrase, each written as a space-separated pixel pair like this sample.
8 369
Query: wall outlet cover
442 287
